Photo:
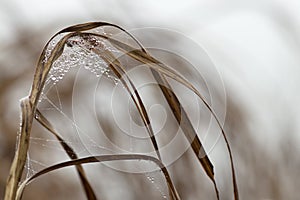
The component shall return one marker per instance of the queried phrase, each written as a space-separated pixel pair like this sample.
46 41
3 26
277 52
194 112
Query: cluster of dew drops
78 53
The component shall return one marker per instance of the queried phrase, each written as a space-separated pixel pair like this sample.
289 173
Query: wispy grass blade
19 160
119 71
186 126
103 158
90 194
160 68
116 66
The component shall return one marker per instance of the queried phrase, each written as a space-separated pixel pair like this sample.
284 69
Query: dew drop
150 179
73 57
37 116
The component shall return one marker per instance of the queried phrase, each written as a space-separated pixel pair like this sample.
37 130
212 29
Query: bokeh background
255 45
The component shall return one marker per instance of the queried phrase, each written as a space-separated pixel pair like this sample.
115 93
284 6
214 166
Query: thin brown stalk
103 158
142 56
19 160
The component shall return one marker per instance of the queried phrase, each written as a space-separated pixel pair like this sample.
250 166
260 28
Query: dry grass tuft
159 71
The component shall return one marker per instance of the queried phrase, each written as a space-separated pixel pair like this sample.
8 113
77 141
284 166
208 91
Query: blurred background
253 44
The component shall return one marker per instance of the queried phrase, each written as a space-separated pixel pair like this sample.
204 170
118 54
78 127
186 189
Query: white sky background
255 44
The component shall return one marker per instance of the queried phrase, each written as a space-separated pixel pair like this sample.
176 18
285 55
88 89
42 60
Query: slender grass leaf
19 160
102 158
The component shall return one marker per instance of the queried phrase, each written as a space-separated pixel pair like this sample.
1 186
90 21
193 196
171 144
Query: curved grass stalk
19 160
159 67
103 158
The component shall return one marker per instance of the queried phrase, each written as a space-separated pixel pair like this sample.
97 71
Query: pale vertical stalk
19 161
